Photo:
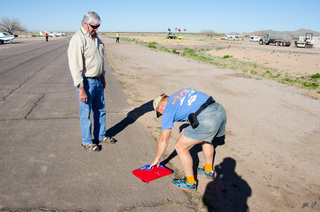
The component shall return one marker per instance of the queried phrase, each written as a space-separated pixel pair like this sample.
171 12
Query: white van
255 38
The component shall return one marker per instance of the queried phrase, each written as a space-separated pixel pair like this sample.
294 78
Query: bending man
207 119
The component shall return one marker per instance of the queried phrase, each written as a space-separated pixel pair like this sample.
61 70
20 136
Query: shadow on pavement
131 117
228 192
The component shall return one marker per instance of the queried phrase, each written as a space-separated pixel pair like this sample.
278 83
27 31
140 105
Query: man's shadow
228 192
131 117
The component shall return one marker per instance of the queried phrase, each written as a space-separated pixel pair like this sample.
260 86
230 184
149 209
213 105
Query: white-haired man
86 63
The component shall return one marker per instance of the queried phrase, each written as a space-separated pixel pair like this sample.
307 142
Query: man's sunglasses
94 27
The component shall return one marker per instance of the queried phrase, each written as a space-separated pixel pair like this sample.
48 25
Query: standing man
118 38
207 120
47 36
86 63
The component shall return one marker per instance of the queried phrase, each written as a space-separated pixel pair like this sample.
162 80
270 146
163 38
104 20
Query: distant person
47 37
86 63
207 120
118 38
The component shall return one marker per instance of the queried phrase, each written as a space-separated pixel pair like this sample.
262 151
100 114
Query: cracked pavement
44 168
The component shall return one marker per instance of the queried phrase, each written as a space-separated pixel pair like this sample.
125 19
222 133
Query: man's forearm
163 143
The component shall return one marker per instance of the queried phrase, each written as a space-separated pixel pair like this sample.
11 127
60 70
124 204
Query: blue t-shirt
180 105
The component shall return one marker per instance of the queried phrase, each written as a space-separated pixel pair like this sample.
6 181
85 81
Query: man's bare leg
208 151
182 147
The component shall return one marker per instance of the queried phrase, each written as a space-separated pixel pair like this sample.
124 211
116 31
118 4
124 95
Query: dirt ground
270 157
291 60
295 63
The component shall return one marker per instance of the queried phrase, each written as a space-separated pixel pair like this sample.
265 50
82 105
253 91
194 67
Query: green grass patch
311 84
164 49
152 45
227 56
315 76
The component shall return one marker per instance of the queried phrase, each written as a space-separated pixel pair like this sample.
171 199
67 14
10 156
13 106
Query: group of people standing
207 117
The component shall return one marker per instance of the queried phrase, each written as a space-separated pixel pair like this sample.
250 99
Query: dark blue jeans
95 93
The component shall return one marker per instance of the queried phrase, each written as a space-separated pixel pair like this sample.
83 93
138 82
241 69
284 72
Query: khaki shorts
212 123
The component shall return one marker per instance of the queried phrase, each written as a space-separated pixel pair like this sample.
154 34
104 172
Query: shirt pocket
89 50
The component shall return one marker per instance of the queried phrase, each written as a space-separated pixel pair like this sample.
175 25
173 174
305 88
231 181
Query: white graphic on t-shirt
181 101
192 99
192 92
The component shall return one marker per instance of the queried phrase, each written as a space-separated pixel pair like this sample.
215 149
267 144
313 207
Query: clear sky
222 16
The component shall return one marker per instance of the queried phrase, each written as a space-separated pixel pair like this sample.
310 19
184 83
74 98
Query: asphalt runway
42 164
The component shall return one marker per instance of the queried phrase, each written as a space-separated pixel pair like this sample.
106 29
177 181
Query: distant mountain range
299 32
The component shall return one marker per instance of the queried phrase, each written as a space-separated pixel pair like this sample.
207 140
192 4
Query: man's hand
83 95
154 164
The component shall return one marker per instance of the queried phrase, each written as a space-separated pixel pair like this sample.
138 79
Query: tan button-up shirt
86 56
